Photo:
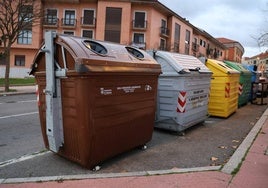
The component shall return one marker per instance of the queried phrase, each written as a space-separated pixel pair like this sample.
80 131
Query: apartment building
260 60
145 24
234 50
204 45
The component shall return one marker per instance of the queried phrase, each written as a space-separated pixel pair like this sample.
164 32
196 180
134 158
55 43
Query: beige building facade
144 24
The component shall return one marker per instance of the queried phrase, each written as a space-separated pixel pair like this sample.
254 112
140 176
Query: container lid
251 68
237 66
220 67
87 55
179 63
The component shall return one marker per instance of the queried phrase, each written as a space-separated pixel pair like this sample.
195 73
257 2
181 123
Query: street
19 127
208 144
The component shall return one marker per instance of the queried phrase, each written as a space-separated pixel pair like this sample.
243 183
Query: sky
239 20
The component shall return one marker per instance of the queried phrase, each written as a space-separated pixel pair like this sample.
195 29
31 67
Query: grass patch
236 170
18 81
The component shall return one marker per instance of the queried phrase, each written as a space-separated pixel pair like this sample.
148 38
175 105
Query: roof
226 41
208 36
229 43
262 55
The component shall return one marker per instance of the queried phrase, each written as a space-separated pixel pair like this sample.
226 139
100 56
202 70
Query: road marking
26 101
18 115
8 102
23 158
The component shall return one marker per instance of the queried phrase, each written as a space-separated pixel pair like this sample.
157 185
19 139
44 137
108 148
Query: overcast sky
239 20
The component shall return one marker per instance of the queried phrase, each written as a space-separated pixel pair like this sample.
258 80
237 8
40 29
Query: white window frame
52 9
142 11
69 10
139 33
68 31
93 33
165 43
94 15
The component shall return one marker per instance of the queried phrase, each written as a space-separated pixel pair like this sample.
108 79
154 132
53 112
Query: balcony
176 47
195 47
138 25
68 22
89 23
50 22
164 31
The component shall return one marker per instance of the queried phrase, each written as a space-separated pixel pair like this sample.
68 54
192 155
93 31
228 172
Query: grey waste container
183 89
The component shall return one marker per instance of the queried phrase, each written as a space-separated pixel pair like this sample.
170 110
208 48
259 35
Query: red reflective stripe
181 102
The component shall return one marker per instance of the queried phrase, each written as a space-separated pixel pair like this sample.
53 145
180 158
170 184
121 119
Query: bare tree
17 17
263 40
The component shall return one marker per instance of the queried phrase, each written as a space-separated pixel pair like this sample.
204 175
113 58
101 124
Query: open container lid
238 67
220 67
179 63
87 55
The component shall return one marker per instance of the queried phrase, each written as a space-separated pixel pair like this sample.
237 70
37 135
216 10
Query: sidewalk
18 90
252 173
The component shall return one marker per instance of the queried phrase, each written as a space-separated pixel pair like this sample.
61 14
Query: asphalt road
20 132
207 144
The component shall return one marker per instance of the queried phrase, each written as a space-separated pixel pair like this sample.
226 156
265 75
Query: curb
241 151
16 93
108 175
20 92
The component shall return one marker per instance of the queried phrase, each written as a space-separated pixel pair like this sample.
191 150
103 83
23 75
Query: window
25 37
138 38
195 44
87 33
177 37
26 14
113 24
163 23
68 32
177 32
51 17
187 42
139 41
19 60
69 18
139 20
201 42
164 29
2 59
89 18
162 44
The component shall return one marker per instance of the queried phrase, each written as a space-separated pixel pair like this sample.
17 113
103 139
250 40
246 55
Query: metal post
54 128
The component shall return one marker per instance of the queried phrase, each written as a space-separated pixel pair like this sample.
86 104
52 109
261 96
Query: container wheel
96 168
144 147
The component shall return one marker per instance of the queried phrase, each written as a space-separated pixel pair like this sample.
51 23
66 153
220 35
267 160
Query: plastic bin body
183 90
255 77
108 101
244 87
223 99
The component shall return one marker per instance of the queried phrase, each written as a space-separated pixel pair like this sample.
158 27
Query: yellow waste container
223 100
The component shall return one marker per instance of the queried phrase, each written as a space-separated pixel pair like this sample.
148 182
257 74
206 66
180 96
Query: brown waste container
108 97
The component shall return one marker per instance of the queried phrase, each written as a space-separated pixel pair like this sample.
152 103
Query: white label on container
198 100
106 91
128 89
148 88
